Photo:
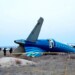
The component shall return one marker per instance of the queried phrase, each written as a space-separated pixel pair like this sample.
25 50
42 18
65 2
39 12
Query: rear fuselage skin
45 45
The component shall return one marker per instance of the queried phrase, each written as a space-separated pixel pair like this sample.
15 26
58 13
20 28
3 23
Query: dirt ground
62 64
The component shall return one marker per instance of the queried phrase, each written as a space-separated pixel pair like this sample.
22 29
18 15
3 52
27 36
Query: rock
12 61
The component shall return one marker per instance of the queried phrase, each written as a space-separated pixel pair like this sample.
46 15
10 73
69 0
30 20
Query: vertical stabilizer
35 32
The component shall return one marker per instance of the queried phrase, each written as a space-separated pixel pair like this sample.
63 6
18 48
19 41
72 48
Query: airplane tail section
31 38
35 32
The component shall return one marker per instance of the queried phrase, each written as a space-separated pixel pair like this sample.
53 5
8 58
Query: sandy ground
62 64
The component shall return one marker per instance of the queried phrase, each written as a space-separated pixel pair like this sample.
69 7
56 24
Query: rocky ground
62 64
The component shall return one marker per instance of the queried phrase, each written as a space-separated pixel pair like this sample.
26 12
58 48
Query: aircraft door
51 43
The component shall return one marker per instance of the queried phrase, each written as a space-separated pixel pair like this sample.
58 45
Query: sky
18 18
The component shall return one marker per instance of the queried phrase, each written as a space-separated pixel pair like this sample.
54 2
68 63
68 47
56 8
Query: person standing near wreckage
10 50
0 49
4 50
